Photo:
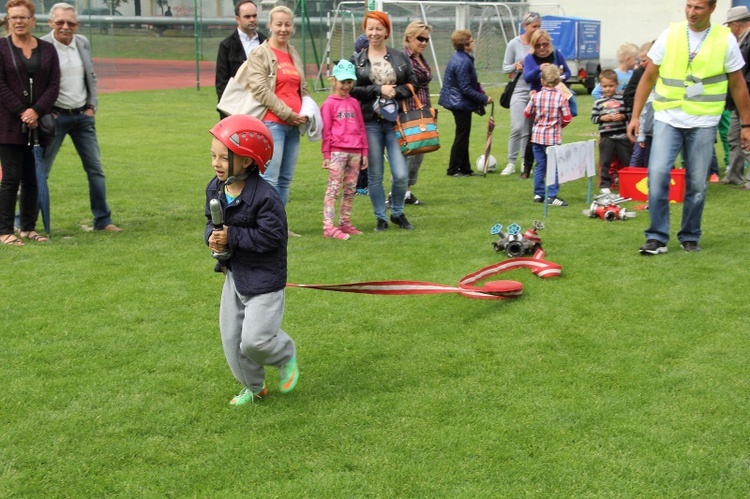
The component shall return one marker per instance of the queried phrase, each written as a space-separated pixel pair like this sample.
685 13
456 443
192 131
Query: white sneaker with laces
604 190
509 169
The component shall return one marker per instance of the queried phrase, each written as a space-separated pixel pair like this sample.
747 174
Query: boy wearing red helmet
251 248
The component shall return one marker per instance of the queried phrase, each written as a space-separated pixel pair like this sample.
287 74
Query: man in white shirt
234 49
75 108
694 64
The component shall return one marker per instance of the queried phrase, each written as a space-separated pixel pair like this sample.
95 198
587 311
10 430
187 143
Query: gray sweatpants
519 126
251 333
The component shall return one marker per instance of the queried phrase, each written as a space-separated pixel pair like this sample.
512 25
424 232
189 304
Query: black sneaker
538 198
461 174
382 225
411 199
402 222
555 201
653 247
690 246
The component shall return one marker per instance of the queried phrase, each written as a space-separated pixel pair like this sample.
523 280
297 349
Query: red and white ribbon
493 290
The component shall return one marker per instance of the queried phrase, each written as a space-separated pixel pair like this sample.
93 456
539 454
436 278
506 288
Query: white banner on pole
570 162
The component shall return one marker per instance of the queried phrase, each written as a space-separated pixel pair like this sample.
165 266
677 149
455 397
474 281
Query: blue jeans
380 138
697 145
285 152
540 173
82 131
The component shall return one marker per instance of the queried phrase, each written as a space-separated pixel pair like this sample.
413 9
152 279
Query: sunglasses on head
60 24
422 39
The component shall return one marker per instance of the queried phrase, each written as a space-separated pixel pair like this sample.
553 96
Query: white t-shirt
676 117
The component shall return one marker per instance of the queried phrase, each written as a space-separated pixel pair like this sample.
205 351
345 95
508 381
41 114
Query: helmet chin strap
233 178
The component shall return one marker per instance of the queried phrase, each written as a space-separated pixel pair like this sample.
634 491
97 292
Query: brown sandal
11 240
33 235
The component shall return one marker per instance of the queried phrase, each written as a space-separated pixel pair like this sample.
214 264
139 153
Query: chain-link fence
492 25
324 34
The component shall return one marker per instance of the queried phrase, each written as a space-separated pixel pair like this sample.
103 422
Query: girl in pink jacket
344 150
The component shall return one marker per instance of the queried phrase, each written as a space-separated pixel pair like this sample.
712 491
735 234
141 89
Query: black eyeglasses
422 39
72 24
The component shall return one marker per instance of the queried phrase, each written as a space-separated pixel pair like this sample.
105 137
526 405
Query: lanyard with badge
697 89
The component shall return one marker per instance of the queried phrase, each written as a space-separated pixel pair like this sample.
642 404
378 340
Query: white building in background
636 21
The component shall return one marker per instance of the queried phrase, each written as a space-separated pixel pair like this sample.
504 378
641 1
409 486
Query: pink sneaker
348 228
335 233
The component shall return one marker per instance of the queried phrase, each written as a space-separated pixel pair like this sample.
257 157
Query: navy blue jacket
257 235
461 90
366 92
532 72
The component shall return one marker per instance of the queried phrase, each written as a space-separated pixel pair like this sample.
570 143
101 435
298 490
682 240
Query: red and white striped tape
493 290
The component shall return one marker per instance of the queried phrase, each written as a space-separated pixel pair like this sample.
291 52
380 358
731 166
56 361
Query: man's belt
70 112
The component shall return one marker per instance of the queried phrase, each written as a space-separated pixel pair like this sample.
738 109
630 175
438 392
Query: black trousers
18 169
608 149
460 161
528 153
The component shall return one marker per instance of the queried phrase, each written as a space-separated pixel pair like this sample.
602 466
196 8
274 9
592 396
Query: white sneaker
604 190
510 169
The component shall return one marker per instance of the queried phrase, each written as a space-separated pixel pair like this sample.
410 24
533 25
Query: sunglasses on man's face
422 39
60 24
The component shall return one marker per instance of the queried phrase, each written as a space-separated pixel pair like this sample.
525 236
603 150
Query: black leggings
18 169
528 153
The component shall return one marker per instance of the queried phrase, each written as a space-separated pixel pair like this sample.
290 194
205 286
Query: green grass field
625 377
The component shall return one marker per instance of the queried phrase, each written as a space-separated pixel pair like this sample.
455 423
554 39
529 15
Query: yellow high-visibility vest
707 68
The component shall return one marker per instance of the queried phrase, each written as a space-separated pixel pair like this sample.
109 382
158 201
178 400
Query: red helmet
247 137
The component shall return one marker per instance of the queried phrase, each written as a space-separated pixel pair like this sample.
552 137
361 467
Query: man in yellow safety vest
694 64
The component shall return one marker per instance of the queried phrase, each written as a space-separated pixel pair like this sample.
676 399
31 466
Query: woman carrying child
344 150
543 53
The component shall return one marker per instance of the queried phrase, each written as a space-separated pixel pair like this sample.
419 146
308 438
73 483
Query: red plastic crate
634 184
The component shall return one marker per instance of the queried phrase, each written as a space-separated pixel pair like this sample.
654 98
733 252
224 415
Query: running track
123 75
